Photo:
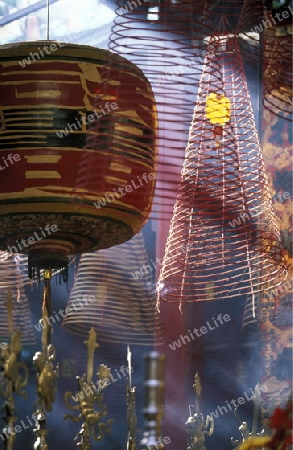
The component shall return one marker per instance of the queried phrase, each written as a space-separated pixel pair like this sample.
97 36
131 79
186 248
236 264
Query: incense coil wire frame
223 214
122 308
169 48
12 279
278 79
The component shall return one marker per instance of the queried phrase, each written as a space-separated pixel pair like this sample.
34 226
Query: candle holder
89 394
131 407
154 387
198 425
41 432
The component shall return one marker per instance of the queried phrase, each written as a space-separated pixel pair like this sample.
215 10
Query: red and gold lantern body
77 162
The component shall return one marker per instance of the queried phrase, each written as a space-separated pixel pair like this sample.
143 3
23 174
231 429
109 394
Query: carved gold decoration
197 425
131 407
89 394
263 435
13 376
47 373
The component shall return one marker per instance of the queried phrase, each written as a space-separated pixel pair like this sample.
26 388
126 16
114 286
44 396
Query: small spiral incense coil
249 28
168 45
258 34
113 292
278 78
223 179
21 317
13 281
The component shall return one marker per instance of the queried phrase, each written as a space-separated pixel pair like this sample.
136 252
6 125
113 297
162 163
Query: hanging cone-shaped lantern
120 299
223 215
12 284
51 101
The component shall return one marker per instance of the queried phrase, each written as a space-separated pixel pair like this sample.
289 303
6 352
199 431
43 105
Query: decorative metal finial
131 407
91 347
87 396
47 373
197 425
41 432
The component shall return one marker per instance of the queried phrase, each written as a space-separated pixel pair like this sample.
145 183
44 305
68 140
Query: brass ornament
13 376
197 425
47 372
88 395
131 407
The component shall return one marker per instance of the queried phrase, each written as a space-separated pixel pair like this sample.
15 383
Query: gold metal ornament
13 376
244 429
47 373
89 394
131 407
197 425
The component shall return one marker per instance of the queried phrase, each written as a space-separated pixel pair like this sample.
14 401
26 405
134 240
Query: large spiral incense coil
278 78
113 292
223 216
167 43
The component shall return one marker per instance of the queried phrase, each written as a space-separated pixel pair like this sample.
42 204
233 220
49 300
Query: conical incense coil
278 78
223 215
12 283
11 271
250 26
169 46
257 29
108 296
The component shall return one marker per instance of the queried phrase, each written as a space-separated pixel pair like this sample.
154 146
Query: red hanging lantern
77 163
